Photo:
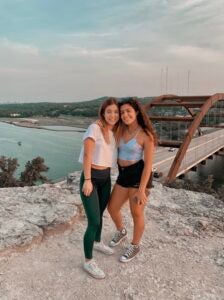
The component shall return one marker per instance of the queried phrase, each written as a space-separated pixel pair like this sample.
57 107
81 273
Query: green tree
32 172
8 167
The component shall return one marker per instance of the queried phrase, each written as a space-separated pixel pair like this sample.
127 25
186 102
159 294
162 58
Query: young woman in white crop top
98 155
135 143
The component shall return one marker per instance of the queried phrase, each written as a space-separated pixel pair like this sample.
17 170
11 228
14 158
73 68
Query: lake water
213 167
60 150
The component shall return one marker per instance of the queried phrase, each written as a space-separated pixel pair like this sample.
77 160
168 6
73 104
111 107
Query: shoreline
42 128
40 122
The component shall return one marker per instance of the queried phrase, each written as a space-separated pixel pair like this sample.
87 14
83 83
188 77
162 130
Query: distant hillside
49 109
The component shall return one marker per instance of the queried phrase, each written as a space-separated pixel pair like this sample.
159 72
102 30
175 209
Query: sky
77 50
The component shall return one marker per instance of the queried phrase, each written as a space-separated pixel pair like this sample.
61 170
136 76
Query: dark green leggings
94 206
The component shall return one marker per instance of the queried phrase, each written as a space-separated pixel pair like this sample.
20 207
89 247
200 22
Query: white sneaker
99 246
92 269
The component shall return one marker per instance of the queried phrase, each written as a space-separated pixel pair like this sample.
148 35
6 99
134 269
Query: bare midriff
126 163
98 167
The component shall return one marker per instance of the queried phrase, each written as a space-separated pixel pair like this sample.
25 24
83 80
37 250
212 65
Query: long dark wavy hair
104 105
142 117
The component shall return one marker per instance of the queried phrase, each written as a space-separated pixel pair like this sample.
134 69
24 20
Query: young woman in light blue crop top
135 156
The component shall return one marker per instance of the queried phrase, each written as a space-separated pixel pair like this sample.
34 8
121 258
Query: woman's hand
140 197
87 187
99 123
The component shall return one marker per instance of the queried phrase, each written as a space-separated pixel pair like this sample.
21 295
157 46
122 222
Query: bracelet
87 179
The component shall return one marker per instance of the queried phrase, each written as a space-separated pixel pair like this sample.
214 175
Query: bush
28 177
203 187
8 167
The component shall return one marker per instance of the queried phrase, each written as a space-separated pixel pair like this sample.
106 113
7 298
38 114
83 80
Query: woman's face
111 114
128 114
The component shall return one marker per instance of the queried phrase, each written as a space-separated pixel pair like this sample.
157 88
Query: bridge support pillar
182 176
194 169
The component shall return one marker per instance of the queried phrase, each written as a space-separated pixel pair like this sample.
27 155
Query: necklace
132 132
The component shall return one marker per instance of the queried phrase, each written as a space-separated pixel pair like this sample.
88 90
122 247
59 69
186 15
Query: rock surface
28 213
182 252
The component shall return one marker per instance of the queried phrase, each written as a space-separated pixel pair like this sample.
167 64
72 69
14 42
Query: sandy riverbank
40 122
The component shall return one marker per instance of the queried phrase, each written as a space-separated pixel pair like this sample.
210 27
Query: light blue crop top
130 150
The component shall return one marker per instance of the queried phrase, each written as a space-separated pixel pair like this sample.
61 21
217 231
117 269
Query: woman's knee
94 223
112 209
137 215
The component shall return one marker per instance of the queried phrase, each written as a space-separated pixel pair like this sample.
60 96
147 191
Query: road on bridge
199 149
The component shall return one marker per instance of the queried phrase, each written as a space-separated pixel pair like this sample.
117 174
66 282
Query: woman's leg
137 211
104 196
118 197
92 209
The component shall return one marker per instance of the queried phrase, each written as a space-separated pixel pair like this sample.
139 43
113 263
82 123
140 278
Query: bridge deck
199 149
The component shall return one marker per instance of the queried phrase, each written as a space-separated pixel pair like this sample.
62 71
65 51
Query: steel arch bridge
191 115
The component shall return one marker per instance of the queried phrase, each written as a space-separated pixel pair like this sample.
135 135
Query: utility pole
166 79
188 81
161 82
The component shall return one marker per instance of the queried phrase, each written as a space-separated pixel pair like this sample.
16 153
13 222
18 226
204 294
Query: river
60 150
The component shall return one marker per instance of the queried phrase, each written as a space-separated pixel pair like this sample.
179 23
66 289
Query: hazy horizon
71 101
53 51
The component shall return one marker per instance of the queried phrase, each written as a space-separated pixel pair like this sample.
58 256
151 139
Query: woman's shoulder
93 131
94 127
147 137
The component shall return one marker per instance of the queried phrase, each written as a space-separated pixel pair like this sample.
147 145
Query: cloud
196 53
72 51
117 49
18 47
189 4
89 34
14 71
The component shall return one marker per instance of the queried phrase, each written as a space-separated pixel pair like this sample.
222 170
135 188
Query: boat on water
19 143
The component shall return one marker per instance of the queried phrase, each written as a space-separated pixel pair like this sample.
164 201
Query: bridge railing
201 148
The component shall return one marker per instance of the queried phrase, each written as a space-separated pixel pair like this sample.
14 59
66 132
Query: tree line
49 109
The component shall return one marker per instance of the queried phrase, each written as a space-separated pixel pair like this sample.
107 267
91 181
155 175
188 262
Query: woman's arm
89 145
148 160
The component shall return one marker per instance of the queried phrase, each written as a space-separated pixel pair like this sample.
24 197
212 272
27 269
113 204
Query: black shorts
131 176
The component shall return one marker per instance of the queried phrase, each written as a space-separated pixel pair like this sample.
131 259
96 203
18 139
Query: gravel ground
182 257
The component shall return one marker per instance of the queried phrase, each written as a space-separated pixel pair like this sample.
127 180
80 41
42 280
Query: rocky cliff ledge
182 253
30 213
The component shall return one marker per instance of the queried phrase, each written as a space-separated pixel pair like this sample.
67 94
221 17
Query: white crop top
104 155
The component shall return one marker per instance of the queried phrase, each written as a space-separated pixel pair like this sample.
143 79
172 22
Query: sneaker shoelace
94 266
117 236
99 244
103 245
129 251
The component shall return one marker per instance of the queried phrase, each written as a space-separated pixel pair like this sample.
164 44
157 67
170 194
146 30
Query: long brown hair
142 117
104 105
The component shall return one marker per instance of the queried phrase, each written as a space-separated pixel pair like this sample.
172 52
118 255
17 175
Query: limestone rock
27 212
